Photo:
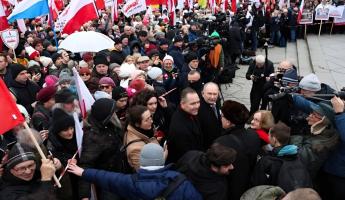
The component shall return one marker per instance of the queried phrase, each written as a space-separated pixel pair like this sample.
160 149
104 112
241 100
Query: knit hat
112 66
24 112
167 57
45 61
61 121
100 59
33 63
64 96
215 34
163 41
235 112
87 57
84 70
324 110
55 56
19 153
137 84
290 76
83 64
118 93
142 59
16 69
45 94
126 70
154 72
190 56
178 38
31 52
65 77
103 109
51 80
106 81
152 155
311 83
101 94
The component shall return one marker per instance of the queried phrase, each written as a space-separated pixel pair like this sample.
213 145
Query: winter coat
247 145
185 134
335 164
7 77
133 150
25 94
268 170
171 81
117 57
41 117
260 73
210 124
211 185
148 186
236 37
178 57
100 149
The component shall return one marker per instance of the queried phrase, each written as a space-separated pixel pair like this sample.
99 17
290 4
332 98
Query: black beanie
100 59
235 112
103 109
64 96
19 153
190 56
61 121
119 92
16 69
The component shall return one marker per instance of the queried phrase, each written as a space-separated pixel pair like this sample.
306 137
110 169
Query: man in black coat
236 37
259 71
245 142
22 88
116 55
185 132
209 115
207 171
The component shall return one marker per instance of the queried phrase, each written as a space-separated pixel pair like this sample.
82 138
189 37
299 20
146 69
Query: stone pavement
325 56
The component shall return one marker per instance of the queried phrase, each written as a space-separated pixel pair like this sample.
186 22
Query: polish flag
100 4
114 11
225 5
54 12
171 12
75 15
10 115
300 11
212 4
59 4
233 6
3 20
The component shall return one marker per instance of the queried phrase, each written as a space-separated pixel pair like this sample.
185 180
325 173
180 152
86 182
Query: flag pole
331 28
57 182
53 25
320 28
305 31
15 57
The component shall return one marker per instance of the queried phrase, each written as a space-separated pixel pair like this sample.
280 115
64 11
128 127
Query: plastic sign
10 37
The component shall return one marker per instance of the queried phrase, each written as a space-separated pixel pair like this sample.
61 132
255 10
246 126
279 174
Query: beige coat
134 149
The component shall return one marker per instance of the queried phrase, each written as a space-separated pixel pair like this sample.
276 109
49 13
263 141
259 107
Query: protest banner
322 12
340 21
307 17
336 11
10 37
133 7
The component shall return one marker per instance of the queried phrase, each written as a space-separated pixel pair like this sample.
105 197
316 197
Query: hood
288 150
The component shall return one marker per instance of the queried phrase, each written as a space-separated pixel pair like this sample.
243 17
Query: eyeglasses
21 170
105 86
84 74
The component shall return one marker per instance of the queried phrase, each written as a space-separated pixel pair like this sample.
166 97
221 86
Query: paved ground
325 56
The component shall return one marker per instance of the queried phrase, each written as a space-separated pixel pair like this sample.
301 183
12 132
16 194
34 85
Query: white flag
133 7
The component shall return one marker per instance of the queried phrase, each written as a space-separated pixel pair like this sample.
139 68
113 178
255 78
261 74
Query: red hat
84 70
45 94
137 84
87 57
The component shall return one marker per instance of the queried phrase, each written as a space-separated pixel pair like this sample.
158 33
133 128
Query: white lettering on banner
62 19
133 7
10 37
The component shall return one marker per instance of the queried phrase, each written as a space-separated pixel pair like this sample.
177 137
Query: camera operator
258 71
236 38
215 56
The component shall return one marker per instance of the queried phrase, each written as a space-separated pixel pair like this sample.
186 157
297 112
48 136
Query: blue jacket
336 162
149 184
178 57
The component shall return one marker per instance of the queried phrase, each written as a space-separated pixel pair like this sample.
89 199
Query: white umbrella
86 41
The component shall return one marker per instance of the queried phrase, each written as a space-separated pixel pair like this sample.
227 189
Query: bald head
285 65
210 93
302 193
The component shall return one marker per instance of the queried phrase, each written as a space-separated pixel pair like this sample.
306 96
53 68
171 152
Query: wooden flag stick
320 28
163 95
57 182
331 28
305 31
64 171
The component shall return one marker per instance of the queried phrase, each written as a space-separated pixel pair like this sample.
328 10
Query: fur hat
152 155
154 73
310 82
61 121
19 153
100 59
45 94
103 109
16 69
126 70
235 112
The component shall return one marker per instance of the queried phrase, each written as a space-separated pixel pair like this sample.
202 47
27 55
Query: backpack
293 174
172 186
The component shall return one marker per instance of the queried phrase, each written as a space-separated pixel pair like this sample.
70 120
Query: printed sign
322 12
336 11
10 37
133 7
307 17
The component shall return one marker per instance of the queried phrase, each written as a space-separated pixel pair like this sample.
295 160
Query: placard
10 37
307 17
322 12
336 11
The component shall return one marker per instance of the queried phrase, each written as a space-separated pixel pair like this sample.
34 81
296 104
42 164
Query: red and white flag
53 10
300 11
114 11
86 100
100 4
212 4
3 20
233 6
75 15
171 11
10 115
225 5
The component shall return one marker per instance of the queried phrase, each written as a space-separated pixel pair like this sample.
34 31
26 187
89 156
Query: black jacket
25 94
117 57
41 117
184 135
100 150
247 145
211 124
260 73
236 37
212 186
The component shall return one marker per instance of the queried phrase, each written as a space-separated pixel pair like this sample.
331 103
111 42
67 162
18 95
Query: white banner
133 7
10 37
336 12
322 12
62 19
108 3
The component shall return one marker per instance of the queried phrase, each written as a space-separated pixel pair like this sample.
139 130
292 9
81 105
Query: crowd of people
158 128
